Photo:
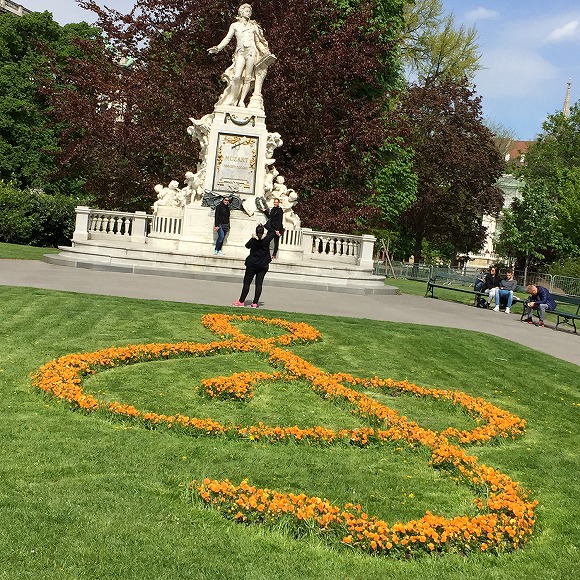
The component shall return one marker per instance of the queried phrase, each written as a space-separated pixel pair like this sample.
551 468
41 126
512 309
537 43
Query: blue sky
530 48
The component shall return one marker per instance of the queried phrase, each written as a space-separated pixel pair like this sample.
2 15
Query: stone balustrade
342 248
135 228
168 225
13 8
96 224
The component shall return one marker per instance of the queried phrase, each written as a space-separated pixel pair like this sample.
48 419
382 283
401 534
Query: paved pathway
395 308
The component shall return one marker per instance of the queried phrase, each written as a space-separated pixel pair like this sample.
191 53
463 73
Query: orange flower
506 516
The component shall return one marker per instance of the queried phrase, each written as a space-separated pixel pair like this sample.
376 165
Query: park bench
459 283
455 282
563 316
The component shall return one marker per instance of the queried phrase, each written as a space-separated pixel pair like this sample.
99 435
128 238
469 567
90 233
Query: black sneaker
530 321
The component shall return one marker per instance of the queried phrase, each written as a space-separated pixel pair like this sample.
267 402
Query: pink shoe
254 305
238 303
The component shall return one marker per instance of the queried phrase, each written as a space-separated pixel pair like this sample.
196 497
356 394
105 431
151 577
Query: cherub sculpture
170 196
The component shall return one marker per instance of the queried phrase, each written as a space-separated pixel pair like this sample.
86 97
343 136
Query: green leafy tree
434 47
568 209
568 267
528 229
27 134
553 165
394 182
327 94
556 148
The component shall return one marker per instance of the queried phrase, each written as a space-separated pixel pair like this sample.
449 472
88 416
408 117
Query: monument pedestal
236 154
199 237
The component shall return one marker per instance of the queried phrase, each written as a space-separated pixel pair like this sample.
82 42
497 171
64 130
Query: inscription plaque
235 164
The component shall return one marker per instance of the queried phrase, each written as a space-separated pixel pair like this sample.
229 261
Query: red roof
518 148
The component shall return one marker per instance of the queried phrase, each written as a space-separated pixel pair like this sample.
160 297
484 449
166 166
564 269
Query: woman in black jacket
491 283
257 263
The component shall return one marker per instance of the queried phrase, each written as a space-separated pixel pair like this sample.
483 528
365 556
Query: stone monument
236 159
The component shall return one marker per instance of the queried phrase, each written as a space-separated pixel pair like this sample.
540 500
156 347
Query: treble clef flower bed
505 513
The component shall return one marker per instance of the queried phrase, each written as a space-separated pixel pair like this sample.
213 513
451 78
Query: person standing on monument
276 217
257 263
250 46
221 224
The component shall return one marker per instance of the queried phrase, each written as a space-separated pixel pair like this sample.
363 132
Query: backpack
480 301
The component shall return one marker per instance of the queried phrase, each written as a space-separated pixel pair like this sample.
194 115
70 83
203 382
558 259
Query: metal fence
557 284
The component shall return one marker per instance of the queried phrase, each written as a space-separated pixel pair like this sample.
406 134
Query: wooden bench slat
460 280
451 282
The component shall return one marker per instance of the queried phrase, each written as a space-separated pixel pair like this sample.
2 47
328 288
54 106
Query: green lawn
85 497
18 252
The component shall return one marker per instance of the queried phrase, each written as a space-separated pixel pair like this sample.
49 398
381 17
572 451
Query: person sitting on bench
541 299
506 288
491 283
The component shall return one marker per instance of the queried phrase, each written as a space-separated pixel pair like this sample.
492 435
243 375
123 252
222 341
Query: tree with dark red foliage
456 162
326 95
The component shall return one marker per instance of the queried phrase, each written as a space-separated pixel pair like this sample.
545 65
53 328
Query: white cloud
569 30
513 75
481 13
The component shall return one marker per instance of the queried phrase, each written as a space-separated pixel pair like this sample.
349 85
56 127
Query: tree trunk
417 255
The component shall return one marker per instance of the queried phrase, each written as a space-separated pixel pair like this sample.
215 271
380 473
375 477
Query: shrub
32 217
566 268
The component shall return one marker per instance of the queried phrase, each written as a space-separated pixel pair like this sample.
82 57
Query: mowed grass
19 252
85 497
